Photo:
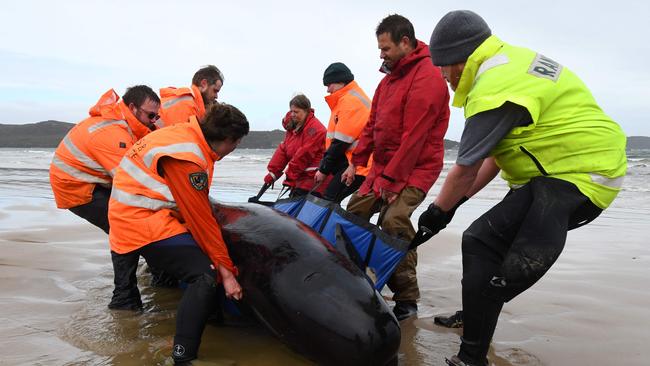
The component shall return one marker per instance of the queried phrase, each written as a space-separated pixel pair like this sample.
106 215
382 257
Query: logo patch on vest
199 180
544 67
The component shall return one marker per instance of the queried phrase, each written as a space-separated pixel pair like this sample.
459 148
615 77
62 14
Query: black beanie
456 36
337 73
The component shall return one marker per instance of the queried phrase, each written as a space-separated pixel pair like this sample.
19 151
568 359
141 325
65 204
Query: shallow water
56 280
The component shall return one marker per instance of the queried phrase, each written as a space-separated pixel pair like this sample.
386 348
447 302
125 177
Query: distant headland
50 133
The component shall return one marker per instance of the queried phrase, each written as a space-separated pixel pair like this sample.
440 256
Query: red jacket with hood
408 120
300 152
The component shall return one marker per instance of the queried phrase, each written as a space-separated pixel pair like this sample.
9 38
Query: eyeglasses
151 115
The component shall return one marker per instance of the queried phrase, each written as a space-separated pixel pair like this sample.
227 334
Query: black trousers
181 257
509 248
337 191
95 211
126 295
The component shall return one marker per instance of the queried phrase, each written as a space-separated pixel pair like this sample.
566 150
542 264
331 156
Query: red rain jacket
300 152
408 120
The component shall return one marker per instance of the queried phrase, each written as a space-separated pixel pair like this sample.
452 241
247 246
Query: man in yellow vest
564 159
350 110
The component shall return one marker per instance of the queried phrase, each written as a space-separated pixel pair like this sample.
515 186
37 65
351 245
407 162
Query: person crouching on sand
81 173
160 208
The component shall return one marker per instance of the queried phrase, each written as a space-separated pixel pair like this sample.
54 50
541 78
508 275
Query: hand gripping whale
307 292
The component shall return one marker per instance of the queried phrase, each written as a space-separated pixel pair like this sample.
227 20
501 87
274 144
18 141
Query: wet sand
56 280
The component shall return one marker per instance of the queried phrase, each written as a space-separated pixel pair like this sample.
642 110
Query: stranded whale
309 294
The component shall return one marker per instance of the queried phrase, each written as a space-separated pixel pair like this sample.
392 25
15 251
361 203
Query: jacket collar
198 99
333 99
487 49
308 120
138 128
110 106
203 143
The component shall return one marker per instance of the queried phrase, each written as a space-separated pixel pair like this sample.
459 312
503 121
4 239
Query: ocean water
56 279
24 178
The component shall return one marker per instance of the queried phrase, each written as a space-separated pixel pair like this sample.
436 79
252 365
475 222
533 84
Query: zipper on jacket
534 159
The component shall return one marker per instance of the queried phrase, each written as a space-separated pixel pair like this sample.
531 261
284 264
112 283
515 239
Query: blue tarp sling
378 250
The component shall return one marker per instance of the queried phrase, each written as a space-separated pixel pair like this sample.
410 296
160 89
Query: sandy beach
56 280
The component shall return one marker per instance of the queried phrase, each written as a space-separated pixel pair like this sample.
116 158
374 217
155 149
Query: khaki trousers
395 220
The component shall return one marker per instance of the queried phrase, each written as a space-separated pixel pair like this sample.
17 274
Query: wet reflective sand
56 280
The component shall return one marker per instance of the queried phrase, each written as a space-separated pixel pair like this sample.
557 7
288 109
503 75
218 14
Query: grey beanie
456 36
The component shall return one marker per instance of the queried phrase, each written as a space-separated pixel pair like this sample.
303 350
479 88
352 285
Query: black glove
453 209
434 219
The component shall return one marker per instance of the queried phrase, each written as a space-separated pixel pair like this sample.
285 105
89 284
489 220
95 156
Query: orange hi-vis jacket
142 209
350 111
90 152
178 104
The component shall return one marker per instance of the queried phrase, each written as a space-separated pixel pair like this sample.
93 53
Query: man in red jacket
301 150
408 120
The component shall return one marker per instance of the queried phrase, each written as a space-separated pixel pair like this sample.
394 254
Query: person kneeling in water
160 208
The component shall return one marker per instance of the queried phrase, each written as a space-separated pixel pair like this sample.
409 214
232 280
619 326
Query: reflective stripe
83 158
145 179
273 176
135 200
170 103
491 62
311 168
185 147
110 122
363 100
128 128
353 145
609 182
330 135
76 173
160 123
343 137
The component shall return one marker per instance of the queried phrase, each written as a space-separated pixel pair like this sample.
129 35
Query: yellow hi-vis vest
570 138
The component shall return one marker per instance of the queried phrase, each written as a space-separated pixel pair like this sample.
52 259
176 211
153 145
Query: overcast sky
57 58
